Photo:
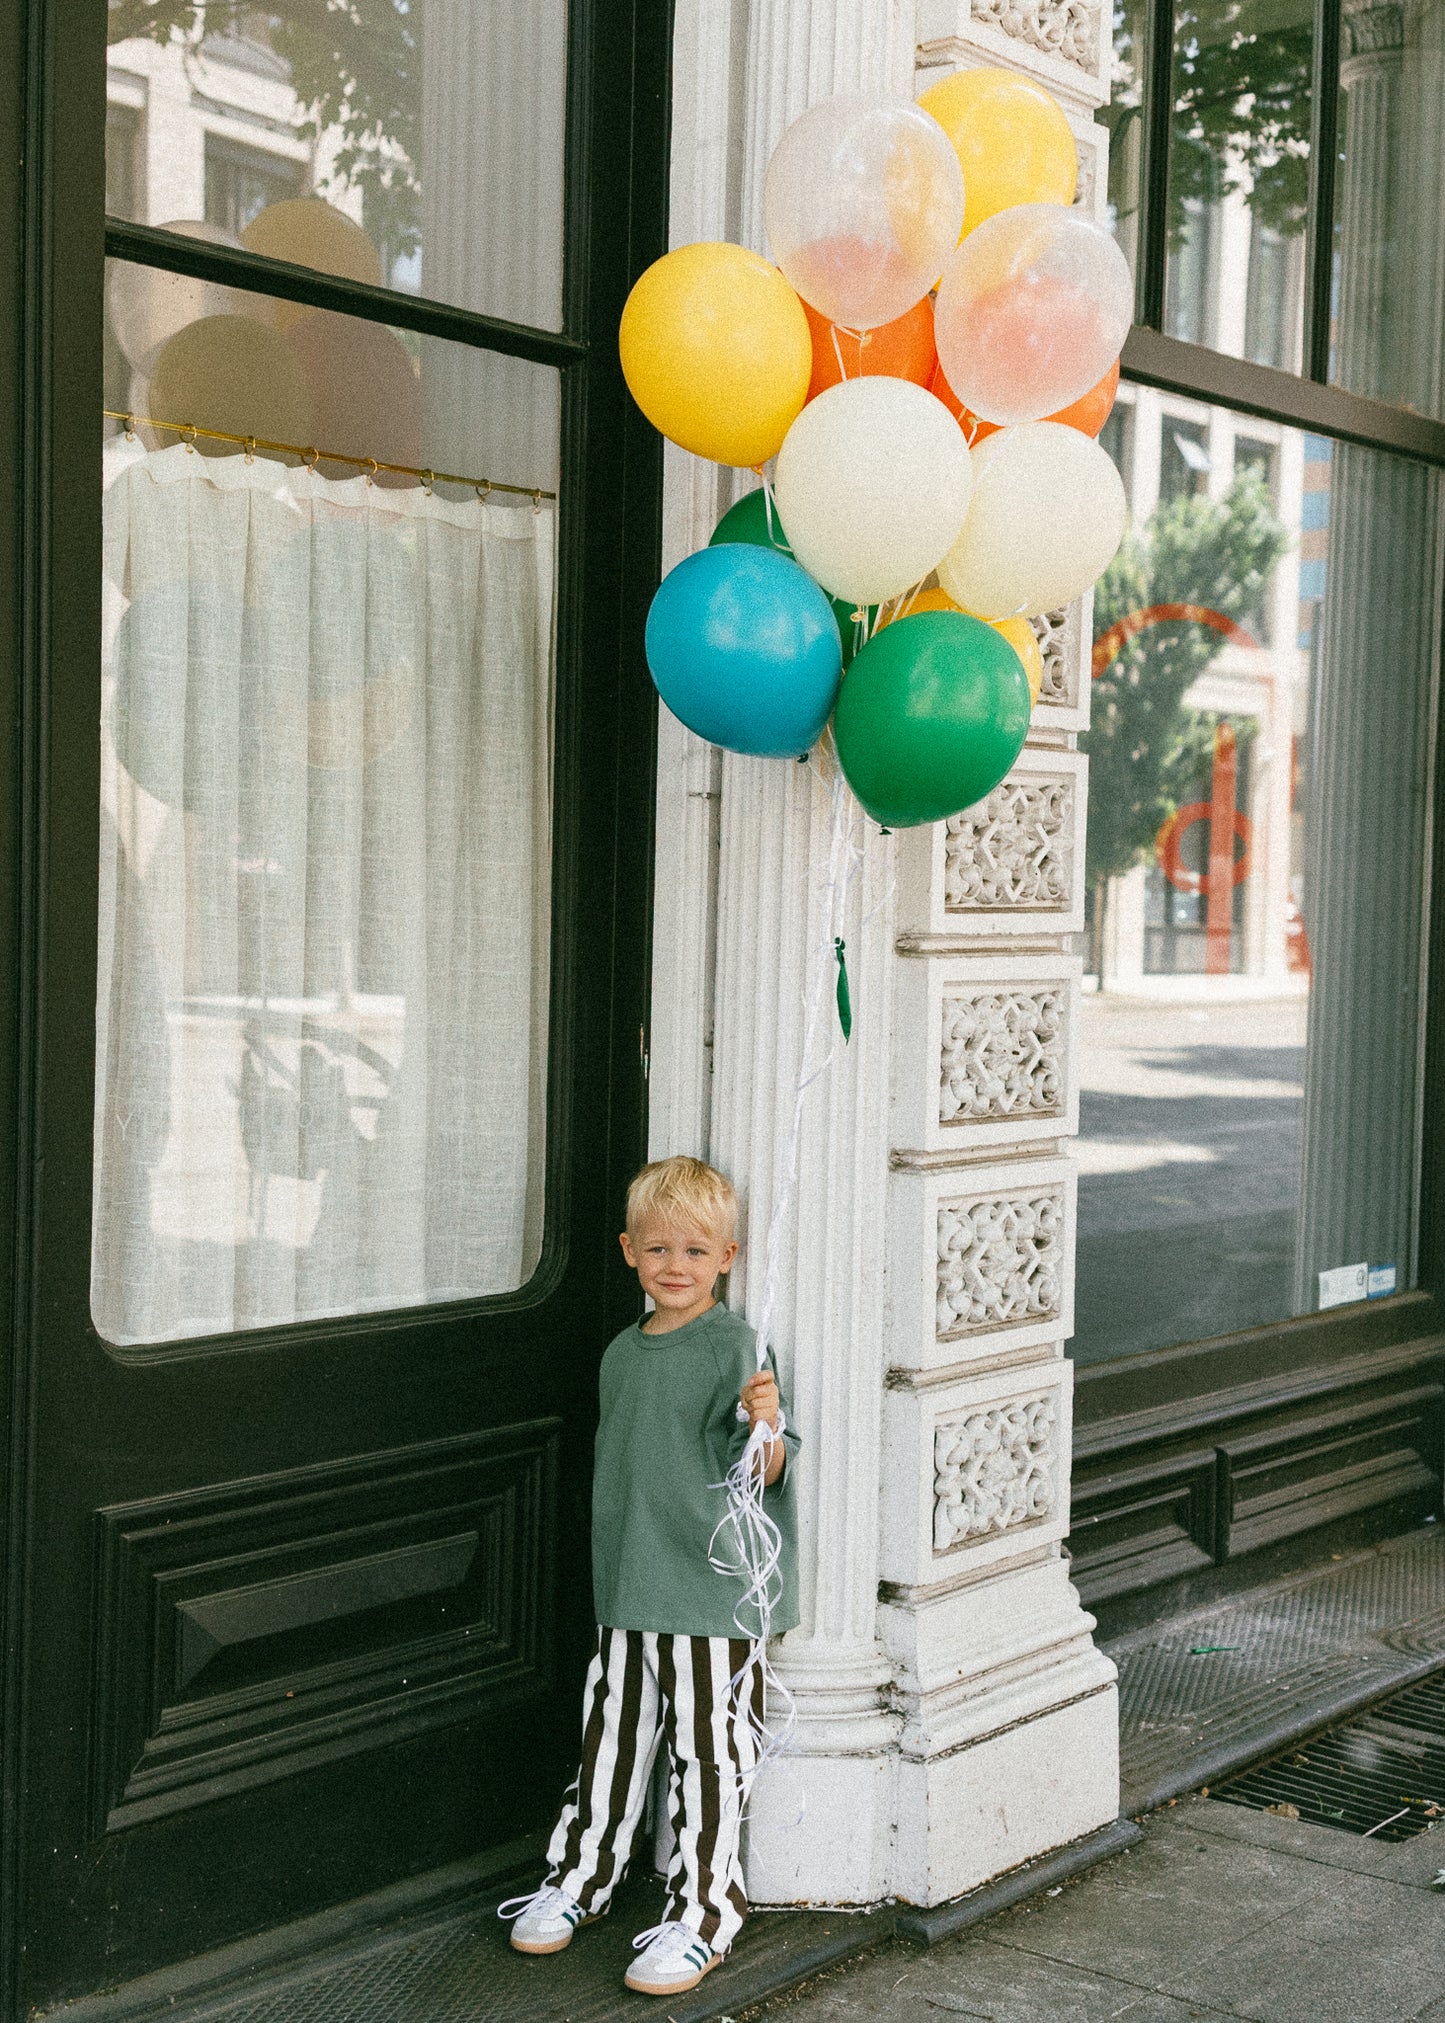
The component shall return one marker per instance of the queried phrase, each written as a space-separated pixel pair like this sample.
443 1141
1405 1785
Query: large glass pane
1266 665
1388 330
1239 177
326 827
423 138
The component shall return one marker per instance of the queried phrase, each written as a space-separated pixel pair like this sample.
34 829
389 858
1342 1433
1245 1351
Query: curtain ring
484 491
250 449
537 500
428 479
129 420
311 458
371 474
188 437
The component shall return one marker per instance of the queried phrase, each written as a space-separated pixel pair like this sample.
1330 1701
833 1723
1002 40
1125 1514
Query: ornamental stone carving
1049 631
1014 849
999 1261
994 1470
1002 1055
1065 28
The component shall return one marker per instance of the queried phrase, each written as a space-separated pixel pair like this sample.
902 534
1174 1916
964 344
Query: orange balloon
1087 414
365 394
902 349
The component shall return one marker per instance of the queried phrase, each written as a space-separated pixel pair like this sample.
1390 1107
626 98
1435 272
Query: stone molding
980 1262
1012 865
980 1472
1064 44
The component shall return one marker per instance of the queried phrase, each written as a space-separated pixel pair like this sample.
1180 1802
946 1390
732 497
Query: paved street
1189 1130
1220 1912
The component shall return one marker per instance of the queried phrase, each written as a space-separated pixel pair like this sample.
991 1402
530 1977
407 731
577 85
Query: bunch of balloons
929 362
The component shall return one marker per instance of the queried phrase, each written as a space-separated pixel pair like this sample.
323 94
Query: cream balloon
148 305
1046 519
872 484
862 204
1032 311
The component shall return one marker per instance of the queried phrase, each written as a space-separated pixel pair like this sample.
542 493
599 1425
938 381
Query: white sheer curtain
321 1010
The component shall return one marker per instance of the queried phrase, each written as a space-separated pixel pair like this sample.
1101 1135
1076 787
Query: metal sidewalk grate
1381 1776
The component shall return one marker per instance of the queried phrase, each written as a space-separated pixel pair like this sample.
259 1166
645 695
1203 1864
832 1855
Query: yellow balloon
1021 637
1017 631
312 233
1011 138
716 352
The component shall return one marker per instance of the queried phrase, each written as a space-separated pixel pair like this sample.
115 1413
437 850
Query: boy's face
676 1267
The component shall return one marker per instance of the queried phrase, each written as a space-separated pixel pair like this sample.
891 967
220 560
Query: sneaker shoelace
672 1942
548 1901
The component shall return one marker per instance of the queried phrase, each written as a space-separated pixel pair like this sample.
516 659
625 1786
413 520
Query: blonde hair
683 1193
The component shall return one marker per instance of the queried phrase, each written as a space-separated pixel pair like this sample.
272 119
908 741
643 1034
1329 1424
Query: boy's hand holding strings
759 1399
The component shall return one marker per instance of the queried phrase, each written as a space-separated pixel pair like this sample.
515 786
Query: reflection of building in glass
1157 917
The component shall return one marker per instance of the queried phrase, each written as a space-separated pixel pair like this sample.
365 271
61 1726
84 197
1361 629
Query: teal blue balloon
755 521
933 714
744 650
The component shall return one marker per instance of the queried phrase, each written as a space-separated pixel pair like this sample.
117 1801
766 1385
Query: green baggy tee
669 1431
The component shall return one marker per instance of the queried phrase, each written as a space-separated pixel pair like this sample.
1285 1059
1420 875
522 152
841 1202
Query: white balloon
1032 311
1046 520
862 205
148 305
873 482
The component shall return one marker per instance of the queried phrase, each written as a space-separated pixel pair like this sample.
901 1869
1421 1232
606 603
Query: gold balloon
1012 140
232 373
309 232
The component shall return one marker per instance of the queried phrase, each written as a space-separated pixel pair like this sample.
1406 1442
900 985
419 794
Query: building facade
370 923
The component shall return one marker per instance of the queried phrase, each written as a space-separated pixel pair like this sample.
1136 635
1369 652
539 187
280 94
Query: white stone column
953 1716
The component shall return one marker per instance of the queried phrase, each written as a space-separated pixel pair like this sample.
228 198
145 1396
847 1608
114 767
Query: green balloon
749 520
933 713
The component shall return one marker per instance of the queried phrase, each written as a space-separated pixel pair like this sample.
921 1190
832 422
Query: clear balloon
862 205
716 352
1046 520
1088 414
1011 138
148 306
872 484
1033 309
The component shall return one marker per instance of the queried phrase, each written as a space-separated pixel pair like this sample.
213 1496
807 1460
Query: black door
295 1611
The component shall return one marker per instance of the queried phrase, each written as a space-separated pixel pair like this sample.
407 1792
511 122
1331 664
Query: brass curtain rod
311 456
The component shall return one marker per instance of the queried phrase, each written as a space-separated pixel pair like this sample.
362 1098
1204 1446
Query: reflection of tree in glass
1146 750
355 68
1242 78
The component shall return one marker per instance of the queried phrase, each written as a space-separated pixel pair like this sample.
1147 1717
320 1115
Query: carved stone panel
1064 28
1000 1261
999 1029
994 1470
1002 1055
1065 44
1015 849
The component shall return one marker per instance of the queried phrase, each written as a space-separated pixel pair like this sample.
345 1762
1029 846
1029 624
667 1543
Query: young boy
669 1642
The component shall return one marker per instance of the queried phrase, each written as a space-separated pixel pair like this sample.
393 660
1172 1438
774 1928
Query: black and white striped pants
644 1685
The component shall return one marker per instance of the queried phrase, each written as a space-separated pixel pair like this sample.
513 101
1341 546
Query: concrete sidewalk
1219 1912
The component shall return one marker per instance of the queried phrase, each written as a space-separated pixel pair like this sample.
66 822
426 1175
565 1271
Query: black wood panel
1170 1489
251 1630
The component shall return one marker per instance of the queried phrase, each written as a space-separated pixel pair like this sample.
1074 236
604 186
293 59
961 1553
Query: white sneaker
545 1919
675 1960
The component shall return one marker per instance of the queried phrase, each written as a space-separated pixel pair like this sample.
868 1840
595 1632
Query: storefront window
1265 668
433 136
326 817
